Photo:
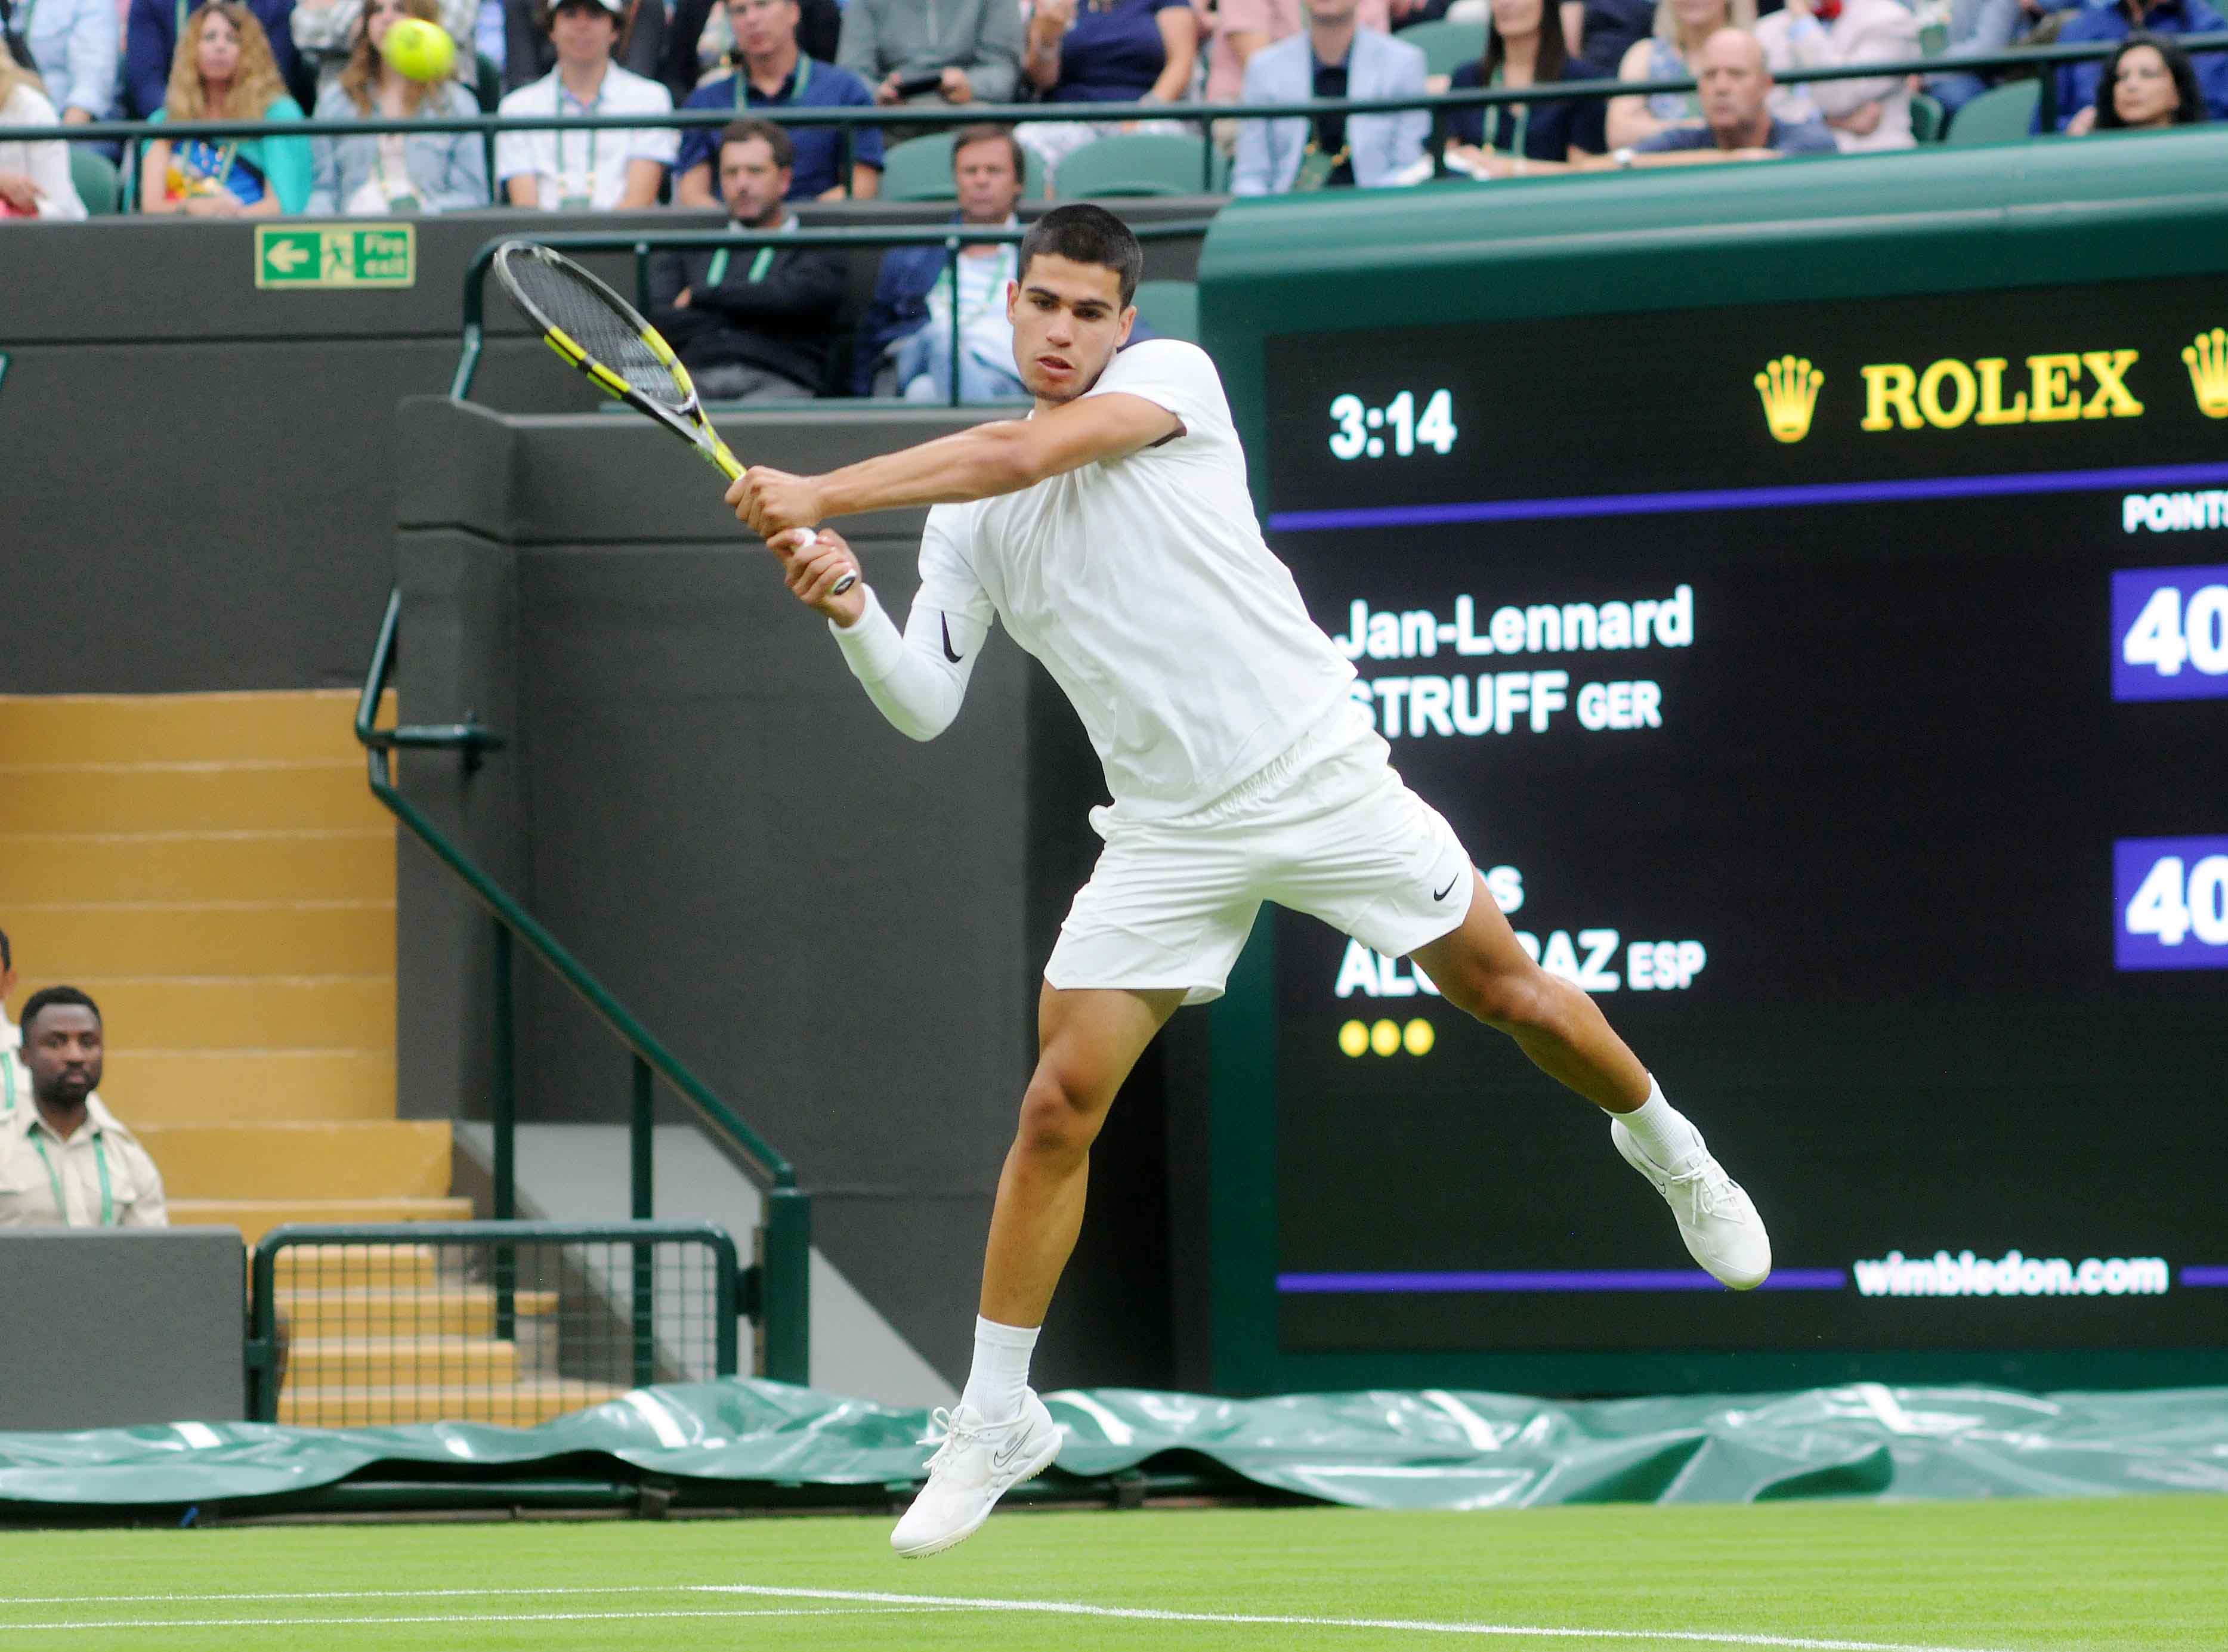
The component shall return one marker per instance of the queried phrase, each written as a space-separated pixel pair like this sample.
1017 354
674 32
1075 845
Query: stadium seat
1928 119
919 169
98 183
1447 45
1170 309
1141 163
2003 115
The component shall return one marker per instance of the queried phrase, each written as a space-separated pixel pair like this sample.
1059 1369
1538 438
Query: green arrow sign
336 255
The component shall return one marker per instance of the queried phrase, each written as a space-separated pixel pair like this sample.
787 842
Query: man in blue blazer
1330 58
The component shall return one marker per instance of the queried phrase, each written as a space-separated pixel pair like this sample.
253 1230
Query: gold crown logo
2207 361
1789 389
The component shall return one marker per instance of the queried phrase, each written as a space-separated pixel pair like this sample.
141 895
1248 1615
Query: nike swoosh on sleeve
950 653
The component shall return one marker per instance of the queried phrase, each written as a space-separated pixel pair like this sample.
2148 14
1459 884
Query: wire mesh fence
510 1322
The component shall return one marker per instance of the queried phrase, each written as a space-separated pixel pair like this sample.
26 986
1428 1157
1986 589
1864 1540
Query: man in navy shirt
150 35
775 75
2077 82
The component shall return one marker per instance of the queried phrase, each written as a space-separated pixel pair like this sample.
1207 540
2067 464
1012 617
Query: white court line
866 1598
168 1623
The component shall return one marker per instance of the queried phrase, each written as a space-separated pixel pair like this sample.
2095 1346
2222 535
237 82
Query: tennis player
1112 532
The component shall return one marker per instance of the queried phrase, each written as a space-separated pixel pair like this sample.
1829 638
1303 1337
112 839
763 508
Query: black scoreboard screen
1839 693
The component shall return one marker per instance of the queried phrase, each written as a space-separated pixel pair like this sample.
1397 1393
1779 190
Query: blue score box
2170 898
2170 633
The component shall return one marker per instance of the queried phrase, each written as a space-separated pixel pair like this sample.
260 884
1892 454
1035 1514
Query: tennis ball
420 50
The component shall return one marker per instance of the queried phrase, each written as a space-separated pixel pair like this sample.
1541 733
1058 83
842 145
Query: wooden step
406 1361
349 1267
188 796
326 1012
223 937
137 728
332 864
437 1310
390 1158
256 1217
247 1087
373 1406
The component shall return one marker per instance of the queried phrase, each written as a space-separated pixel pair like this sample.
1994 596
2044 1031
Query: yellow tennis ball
420 50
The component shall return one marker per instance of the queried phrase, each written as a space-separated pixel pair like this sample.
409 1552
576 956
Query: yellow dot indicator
1385 1037
1418 1037
1354 1038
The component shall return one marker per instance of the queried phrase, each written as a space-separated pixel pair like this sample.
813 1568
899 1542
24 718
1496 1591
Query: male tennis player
1111 531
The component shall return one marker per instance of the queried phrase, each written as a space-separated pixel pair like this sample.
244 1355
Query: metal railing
849 118
779 1281
500 1321
642 243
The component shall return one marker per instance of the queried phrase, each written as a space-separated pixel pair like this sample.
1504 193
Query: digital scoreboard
1839 693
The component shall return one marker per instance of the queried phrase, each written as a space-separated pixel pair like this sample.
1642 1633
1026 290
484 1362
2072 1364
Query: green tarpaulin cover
1381 1450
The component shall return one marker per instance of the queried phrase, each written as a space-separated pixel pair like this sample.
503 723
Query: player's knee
1058 1121
1506 999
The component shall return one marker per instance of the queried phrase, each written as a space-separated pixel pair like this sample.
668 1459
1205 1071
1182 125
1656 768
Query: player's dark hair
986 131
741 131
1084 233
2191 106
49 998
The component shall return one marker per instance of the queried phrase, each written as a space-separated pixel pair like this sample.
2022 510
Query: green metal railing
780 1276
642 243
732 1291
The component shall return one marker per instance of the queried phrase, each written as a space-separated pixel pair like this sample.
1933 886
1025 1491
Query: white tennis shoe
977 1463
1716 1217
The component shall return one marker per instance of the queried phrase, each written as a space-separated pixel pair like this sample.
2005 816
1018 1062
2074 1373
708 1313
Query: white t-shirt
1144 587
570 166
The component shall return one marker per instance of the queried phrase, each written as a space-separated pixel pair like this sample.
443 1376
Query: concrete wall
841 931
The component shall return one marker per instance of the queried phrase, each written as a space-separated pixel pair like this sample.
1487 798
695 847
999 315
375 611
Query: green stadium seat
1446 47
1170 307
2002 115
98 184
919 169
1928 119
1142 164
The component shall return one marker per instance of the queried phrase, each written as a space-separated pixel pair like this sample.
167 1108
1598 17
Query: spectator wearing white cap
599 170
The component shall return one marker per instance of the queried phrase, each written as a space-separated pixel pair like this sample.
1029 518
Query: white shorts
1328 829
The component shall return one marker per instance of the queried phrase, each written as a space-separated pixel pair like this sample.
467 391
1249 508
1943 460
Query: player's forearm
911 685
953 470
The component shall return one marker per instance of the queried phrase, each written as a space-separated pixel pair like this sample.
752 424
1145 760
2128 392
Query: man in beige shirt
64 1161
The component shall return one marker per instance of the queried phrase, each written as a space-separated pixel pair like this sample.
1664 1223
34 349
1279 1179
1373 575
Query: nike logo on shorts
949 652
1443 893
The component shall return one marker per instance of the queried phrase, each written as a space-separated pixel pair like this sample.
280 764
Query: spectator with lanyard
772 72
906 337
1086 51
1332 59
34 177
2148 84
326 33
703 41
2078 83
151 32
65 1160
225 71
529 43
1524 47
395 172
751 325
1863 115
595 168
74 46
1672 52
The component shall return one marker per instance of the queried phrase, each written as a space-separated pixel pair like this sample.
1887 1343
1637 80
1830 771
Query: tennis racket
602 334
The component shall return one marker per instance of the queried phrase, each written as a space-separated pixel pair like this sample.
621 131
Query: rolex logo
1789 389
2207 361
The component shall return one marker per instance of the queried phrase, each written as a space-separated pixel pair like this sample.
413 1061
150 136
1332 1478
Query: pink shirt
1225 75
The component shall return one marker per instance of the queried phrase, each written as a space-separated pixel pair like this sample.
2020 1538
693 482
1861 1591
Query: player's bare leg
1000 1433
1482 969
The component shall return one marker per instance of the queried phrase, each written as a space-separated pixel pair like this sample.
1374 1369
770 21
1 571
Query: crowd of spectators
1110 61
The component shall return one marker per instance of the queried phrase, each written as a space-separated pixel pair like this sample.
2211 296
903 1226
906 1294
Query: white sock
999 1375
1663 1130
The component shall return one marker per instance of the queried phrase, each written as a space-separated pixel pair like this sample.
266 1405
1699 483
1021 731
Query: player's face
1068 321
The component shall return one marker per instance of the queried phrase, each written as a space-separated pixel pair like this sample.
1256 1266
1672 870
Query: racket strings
568 303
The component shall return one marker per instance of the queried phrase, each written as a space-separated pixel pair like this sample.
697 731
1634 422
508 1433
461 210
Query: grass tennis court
2132 1575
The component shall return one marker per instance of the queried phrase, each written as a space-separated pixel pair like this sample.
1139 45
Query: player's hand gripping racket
604 335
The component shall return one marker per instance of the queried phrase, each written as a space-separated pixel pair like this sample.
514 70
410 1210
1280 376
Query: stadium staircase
212 869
